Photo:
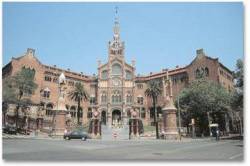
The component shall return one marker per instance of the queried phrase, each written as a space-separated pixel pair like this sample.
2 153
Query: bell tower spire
116 46
116 26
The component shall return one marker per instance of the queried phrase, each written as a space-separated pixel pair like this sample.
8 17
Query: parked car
23 131
9 129
76 135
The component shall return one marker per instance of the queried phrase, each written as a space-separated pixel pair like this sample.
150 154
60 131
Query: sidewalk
147 138
189 139
232 136
31 136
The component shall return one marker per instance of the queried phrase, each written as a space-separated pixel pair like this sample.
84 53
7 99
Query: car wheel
84 138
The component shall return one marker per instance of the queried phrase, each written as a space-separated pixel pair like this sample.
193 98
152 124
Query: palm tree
78 94
154 91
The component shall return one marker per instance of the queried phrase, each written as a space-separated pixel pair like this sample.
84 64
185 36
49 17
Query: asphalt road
77 150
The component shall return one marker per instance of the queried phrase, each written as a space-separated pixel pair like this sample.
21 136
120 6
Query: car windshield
74 132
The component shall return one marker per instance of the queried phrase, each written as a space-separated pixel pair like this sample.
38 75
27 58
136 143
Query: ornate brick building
114 91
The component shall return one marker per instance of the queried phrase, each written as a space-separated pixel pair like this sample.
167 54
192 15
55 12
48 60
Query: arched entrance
116 117
103 118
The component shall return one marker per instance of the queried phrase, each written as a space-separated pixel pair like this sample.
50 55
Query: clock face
116 82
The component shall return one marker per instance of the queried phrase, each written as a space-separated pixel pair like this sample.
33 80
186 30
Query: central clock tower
115 83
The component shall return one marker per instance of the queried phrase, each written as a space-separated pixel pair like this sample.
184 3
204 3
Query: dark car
10 129
23 131
76 135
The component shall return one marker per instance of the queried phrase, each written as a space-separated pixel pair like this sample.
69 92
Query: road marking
235 156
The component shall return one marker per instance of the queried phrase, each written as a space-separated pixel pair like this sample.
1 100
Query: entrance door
103 117
116 118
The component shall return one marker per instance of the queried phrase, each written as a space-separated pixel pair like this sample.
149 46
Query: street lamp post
209 123
179 114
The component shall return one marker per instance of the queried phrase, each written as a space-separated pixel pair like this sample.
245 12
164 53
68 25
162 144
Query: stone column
109 117
137 128
97 127
169 113
59 125
124 118
169 121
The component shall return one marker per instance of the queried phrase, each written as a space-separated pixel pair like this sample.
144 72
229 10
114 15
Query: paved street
55 150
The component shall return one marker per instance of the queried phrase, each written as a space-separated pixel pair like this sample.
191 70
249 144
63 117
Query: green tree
9 94
19 88
239 74
203 96
78 94
153 91
237 99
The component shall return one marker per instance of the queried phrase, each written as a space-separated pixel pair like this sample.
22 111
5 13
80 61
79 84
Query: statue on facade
62 89
59 118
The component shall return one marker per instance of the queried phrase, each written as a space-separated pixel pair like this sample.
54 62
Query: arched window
42 104
89 115
104 74
116 97
129 75
49 108
104 97
46 92
92 99
140 100
197 73
29 71
206 72
55 79
116 69
143 113
128 98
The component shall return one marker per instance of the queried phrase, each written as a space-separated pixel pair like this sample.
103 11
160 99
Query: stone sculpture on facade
59 117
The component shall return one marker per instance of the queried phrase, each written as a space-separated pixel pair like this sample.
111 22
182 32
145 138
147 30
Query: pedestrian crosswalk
109 133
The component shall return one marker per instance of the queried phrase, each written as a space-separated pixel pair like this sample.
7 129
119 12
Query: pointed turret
116 46
116 26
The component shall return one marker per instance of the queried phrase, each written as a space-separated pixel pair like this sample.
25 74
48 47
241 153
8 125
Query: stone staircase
115 133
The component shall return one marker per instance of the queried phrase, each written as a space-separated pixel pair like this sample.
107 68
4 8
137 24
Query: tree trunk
78 112
4 118
226 123
17 115
209 122
155 118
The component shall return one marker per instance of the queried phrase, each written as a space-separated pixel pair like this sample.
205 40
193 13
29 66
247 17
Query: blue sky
156 35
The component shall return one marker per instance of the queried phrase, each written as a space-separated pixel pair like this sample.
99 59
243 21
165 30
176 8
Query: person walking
217 134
